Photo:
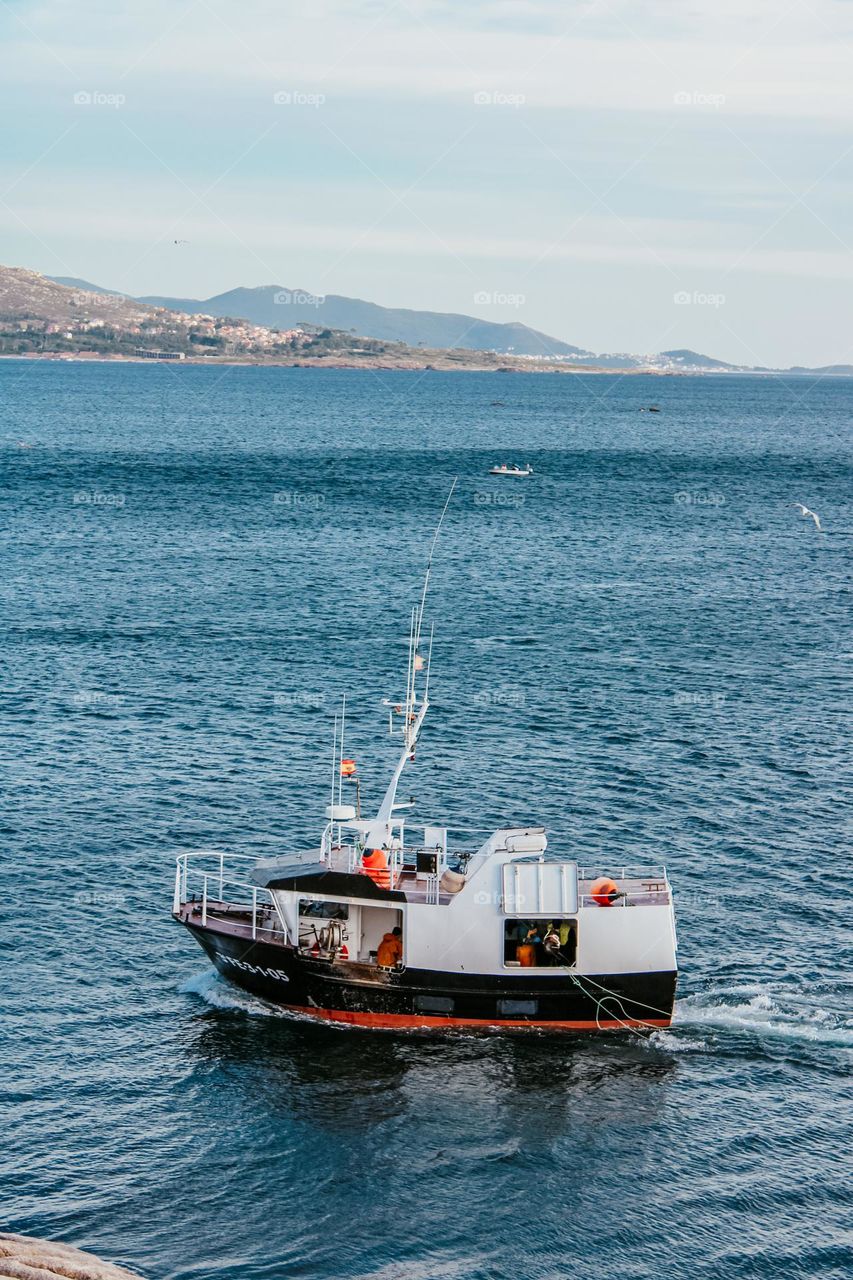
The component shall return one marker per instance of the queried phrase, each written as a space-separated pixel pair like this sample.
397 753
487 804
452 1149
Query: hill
27 295
278 307
84 286
686 359
274 306
40 316
43 313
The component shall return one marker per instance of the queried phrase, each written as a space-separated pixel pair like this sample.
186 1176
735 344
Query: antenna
341 756
411 727
431 554
334 763
429 662
414 719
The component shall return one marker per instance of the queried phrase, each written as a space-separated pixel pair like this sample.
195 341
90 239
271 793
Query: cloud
247 216
620 56
583 142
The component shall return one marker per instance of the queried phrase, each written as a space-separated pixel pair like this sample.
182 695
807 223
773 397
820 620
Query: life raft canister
604 891
375 865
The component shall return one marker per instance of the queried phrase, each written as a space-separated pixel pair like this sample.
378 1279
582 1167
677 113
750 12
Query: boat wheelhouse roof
319 878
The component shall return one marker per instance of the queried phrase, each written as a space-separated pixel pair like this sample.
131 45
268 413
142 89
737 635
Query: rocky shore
26 1258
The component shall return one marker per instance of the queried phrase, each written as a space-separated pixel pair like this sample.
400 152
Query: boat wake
751 1010
739 1009
220 994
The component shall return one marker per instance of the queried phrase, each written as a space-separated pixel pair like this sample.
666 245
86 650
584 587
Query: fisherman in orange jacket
375 864
390 951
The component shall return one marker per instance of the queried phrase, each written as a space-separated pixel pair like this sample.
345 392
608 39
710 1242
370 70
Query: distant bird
805 513
180 242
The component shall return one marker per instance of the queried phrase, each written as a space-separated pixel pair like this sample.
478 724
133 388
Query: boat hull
362 995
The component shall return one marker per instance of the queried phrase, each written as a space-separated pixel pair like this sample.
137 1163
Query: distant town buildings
176 335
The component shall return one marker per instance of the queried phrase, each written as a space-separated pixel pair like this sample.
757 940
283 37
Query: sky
626 175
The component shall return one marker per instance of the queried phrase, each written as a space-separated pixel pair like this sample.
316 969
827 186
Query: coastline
439 363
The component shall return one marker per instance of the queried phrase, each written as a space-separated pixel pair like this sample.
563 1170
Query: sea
643 646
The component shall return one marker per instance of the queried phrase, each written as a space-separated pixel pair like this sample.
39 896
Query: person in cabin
390 951
551 944
557 940
527 940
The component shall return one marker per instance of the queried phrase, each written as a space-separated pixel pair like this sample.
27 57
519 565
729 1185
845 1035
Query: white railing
207 880
349 858
342 857
656 872
638 886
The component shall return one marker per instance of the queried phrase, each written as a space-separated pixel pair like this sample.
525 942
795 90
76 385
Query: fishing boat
505 470
396 925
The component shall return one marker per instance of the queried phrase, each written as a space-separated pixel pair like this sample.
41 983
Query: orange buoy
604 891
525 954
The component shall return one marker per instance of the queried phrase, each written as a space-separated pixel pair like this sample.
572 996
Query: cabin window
518 1008
323 910
433 1004
545 943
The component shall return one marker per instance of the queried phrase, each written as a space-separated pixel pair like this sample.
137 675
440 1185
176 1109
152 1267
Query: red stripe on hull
417 1022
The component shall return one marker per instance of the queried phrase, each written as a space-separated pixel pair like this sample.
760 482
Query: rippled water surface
643 647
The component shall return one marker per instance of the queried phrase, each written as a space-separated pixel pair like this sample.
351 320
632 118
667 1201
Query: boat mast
414 712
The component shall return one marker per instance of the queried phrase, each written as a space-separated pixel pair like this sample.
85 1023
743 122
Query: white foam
755 1011
675 1042
764 1015
219 994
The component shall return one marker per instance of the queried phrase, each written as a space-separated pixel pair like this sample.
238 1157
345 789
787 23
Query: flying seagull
805 513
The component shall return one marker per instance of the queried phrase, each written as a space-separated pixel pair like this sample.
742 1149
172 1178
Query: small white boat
505 470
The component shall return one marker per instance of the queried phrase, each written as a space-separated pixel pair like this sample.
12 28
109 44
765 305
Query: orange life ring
604 891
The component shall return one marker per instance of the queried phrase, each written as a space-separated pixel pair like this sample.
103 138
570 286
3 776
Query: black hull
421 999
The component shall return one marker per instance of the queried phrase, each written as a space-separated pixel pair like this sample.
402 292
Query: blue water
643 647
